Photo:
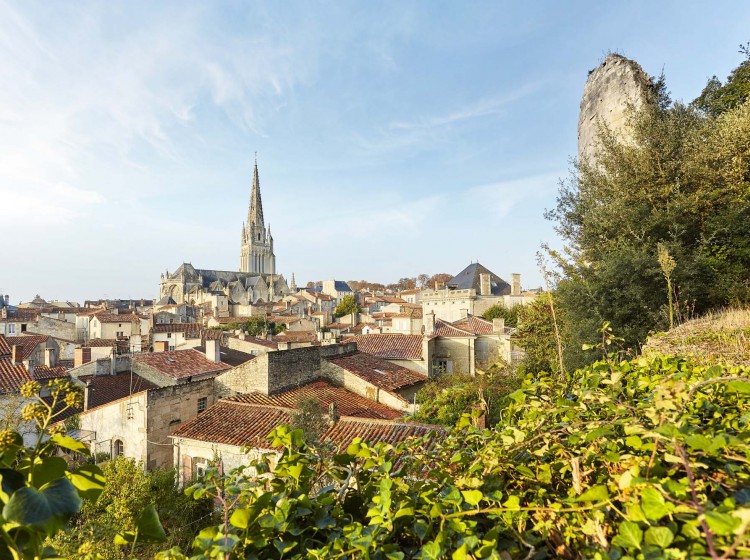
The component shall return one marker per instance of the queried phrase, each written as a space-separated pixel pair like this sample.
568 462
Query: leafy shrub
641 459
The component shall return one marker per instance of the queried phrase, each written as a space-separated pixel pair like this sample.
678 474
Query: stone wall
459 350
168 409
54 328
123 420
611 88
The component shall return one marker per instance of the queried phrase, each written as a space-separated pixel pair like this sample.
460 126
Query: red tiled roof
378 371
297 336
234 423
104 389
475 325
114 318
26 343
5 348
443 328
12 376
101 343
258 341
191 330
42 372
179 364
390 346
347 403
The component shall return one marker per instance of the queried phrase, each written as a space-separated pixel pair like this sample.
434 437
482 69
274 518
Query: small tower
293 285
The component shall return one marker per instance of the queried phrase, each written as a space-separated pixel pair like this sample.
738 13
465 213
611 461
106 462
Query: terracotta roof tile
259 341
26 343
12 376
115 318
297 336
378 371
191 330
443 328
475 325
234 423
42 372
104 389
5 348
180 364
347 403
390 346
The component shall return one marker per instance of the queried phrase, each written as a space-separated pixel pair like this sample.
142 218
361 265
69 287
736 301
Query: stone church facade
227 292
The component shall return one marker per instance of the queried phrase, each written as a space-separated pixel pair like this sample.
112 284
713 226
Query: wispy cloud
499 199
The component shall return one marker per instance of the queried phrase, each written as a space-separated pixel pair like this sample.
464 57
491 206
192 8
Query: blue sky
393 138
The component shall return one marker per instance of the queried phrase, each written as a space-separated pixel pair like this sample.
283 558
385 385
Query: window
169 335
119 448
202 404
11 328
23 327
443 366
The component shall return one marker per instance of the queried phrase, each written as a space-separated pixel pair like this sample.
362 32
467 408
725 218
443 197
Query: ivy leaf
472 497
596 493
43 508
89 481
653 504
629 536
430 550
738 386
148 529
49 469
659 536
68 442
721 523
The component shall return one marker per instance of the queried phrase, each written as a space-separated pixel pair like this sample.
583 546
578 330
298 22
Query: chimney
213 351
333 414
515 287
498 325
242 335
4 313
7 300
15 354
86 395
429 323
29 366
50 360
485 288
82 356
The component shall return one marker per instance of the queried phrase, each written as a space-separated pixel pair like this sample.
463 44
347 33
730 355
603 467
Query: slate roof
469 278
180 364
378 371
166 300
347 403
341 286
390 346
238 424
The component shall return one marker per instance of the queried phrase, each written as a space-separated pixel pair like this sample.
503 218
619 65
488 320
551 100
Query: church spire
255 212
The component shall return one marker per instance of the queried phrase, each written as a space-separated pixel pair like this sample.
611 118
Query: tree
310 418
406 284
439 279
423 281
499 311
679 182
717 98
346 306
536 335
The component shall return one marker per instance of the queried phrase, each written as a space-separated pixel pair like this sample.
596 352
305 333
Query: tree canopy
346 306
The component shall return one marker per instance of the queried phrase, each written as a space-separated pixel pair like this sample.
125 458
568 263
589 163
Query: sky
392 138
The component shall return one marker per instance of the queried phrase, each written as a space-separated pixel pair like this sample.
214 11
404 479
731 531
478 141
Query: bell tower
256 251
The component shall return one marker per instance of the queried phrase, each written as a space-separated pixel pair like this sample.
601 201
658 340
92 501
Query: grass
720 336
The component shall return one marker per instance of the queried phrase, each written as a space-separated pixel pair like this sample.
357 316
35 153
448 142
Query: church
230 293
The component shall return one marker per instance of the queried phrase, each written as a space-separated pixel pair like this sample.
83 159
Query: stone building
230 293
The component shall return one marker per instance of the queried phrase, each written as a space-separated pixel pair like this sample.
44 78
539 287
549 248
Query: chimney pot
213 351
15 354
515 288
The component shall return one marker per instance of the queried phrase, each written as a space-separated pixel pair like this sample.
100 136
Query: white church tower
256 253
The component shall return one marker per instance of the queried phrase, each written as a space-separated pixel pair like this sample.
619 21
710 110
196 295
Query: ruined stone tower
610 88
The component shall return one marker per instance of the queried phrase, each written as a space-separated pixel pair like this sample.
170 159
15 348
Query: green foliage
678 184
643 459
717 98
445 398
40 491
254 326
536 335
125 514
499 311
310 418
346 306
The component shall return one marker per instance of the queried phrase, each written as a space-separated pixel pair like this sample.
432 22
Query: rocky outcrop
610 89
